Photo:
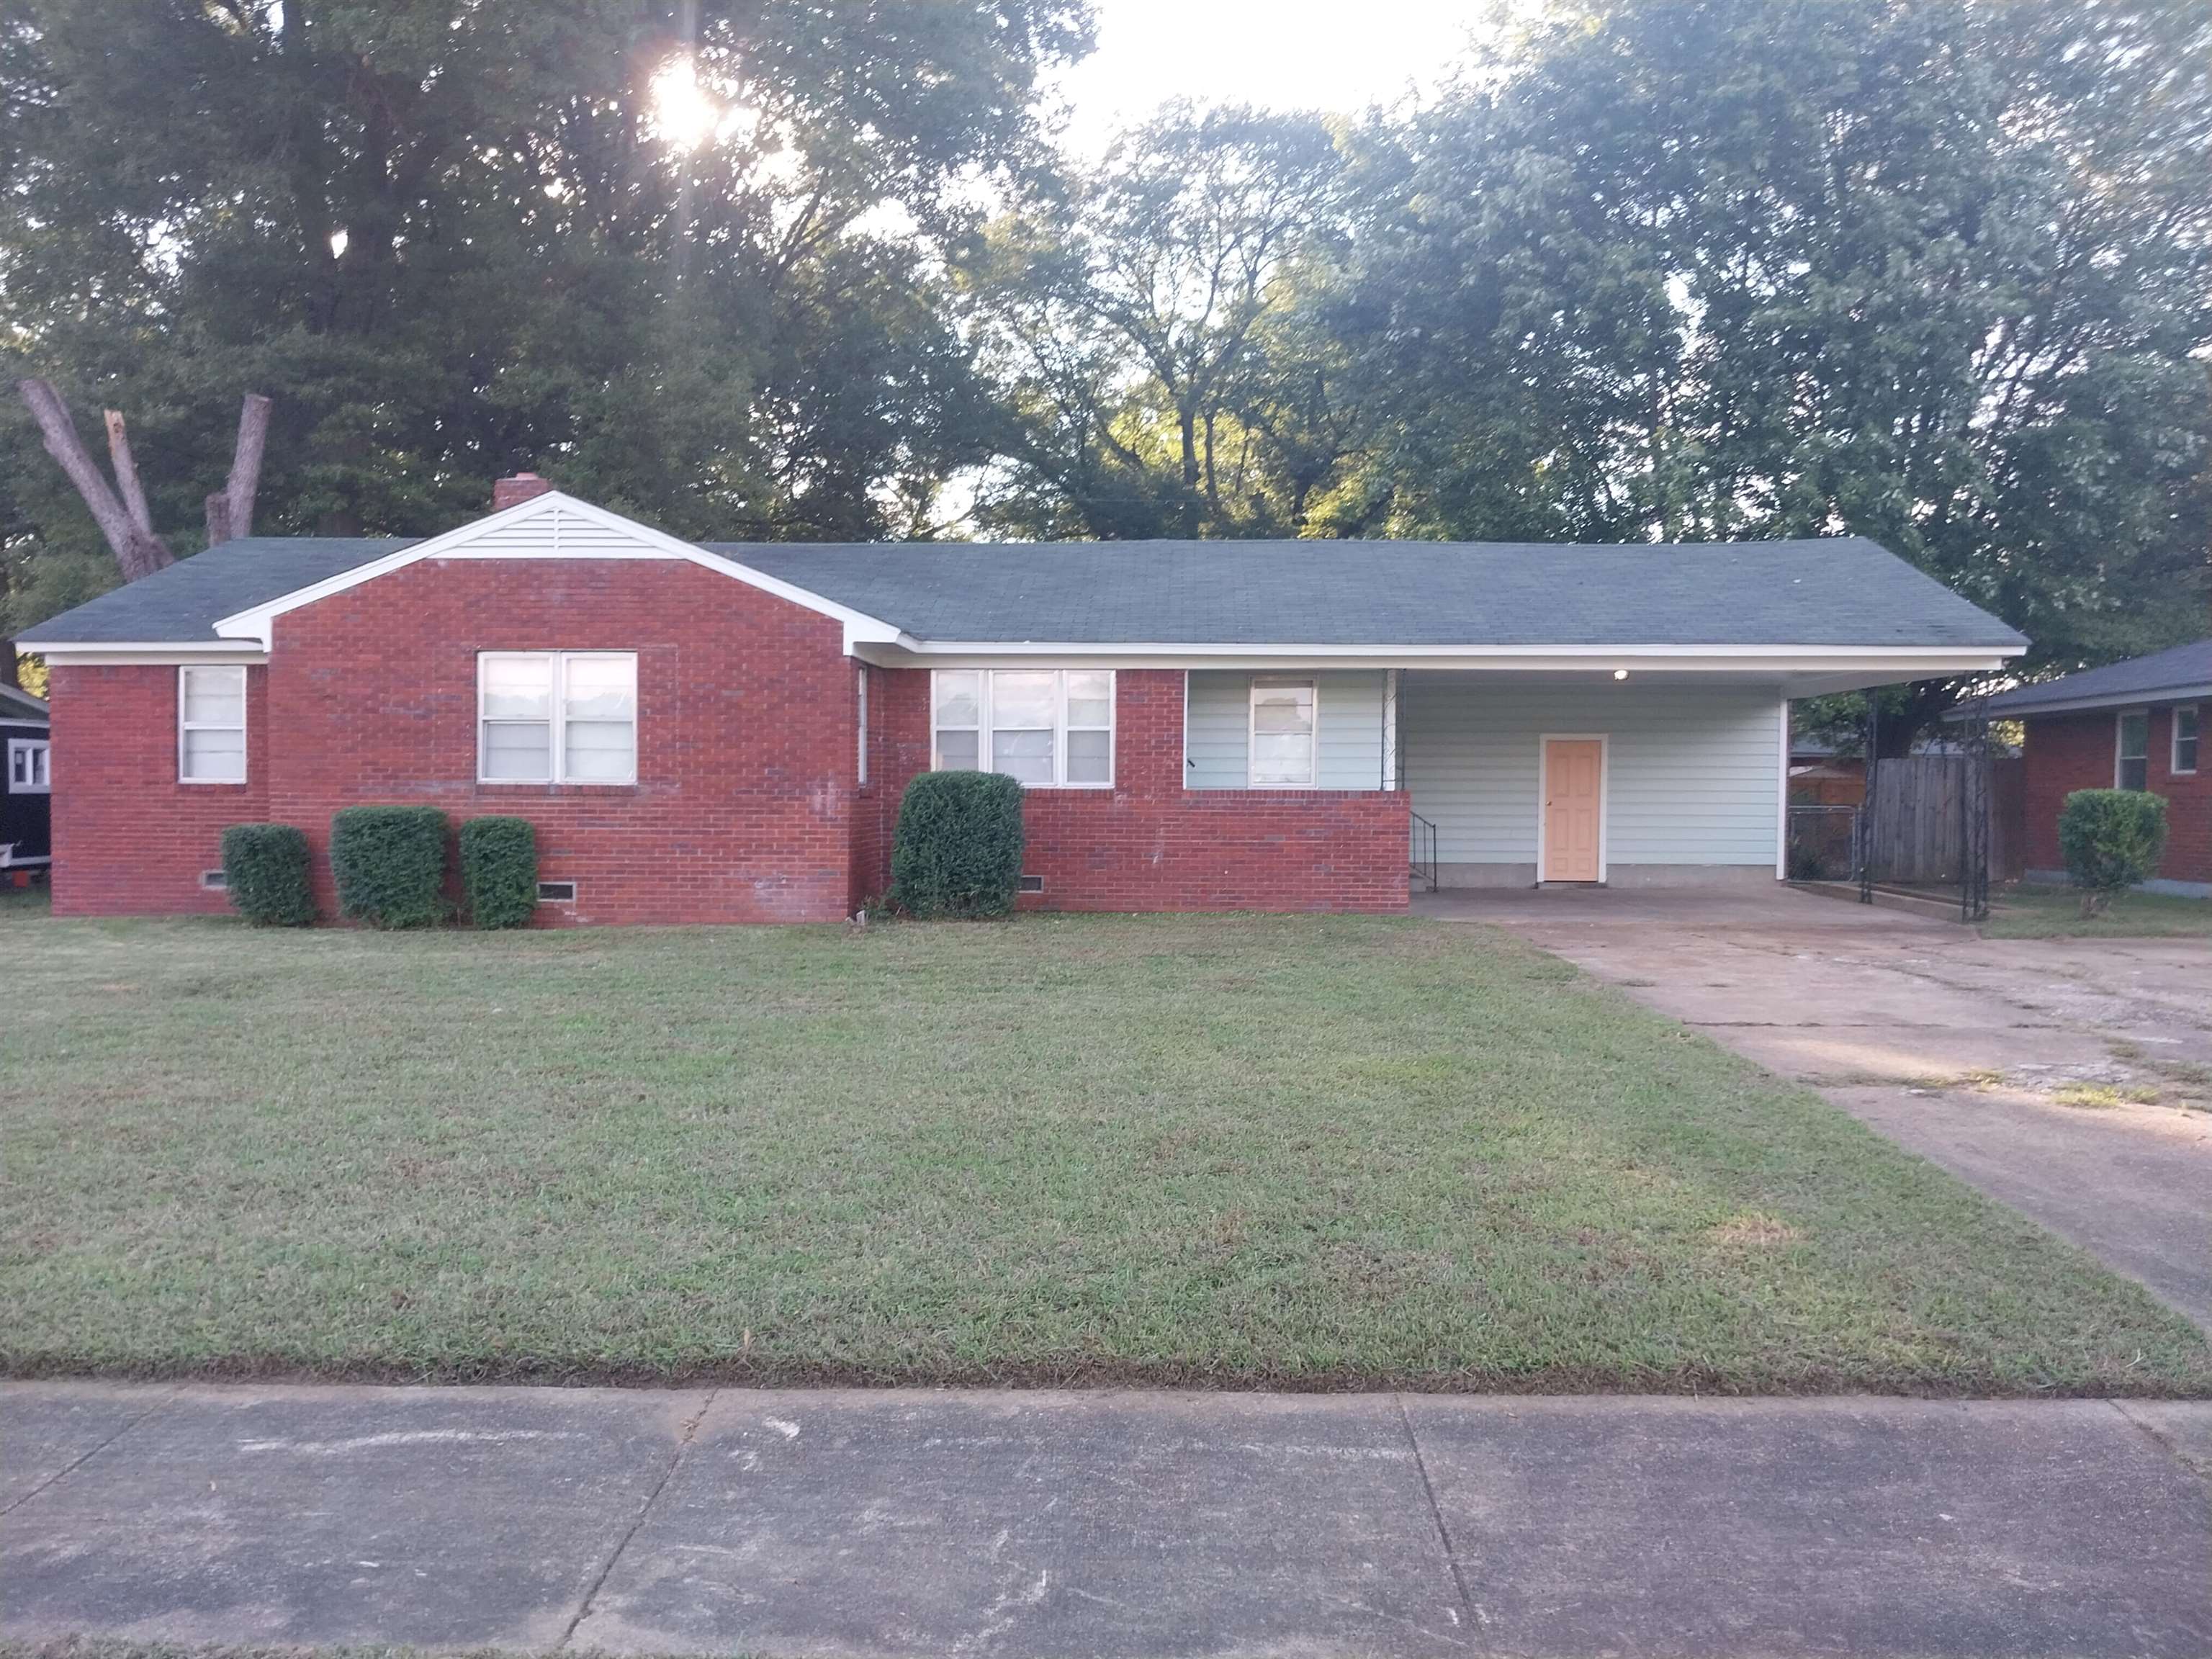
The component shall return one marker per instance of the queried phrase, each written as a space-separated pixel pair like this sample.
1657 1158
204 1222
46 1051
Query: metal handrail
1423 868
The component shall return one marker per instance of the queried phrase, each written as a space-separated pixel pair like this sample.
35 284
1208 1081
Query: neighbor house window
2132 770
556 717
1282 735
211 723
1047 727
2186 726
861 698
30 761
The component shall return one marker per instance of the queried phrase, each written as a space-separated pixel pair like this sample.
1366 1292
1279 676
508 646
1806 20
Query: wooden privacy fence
1915 825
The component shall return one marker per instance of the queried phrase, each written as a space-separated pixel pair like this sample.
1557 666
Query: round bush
389 863
264 870
958 852
2111 838
499 871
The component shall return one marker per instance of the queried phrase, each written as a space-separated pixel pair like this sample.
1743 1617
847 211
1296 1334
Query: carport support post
1866 798
1390 728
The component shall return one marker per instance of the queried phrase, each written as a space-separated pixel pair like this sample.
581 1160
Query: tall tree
694 277
1127 323
1937 272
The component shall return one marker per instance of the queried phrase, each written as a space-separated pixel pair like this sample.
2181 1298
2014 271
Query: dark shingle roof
2183 669
185 600
1844 591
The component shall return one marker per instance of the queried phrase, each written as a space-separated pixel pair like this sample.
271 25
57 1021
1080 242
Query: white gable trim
554 508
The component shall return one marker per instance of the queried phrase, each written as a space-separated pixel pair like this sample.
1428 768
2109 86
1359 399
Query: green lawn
2027 912
1251 1152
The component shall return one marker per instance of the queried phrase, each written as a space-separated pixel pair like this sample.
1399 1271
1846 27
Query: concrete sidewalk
1117 1523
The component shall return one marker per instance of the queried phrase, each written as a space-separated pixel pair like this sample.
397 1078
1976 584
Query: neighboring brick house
2132 724
721 733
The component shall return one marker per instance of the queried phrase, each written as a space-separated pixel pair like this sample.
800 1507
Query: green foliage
2110 839
390 865
451 240
958 852
264 869
499 871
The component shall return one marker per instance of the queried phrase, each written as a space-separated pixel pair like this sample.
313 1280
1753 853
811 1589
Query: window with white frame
556 717
860 702
30 766
1282 735
2131 770
211 723
2188 724
1047 727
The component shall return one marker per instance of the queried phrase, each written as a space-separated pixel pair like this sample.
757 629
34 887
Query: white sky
1282 54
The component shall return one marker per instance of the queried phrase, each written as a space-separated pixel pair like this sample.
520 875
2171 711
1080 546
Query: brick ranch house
721 733
2132 724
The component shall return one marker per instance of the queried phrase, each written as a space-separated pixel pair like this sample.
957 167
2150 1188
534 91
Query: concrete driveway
2010 1062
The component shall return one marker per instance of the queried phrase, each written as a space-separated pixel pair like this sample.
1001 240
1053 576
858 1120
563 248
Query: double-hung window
30 761
2131 770
211 723
1047 727
556 717
2188 724
1282 735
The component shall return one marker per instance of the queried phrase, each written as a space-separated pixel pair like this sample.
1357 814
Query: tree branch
137 553
126 470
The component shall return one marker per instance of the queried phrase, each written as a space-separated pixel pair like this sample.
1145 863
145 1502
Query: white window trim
245 715
984 715
1604 742
2120 757
2174 766
42 752
1260 682
556 721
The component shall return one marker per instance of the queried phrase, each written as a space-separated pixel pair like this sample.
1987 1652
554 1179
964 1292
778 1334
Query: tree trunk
138 552
246 464
217 508
126 472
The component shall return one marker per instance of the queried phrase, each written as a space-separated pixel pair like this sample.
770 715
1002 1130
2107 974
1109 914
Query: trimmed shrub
959 846
264 869
390 865
2111 838
499 871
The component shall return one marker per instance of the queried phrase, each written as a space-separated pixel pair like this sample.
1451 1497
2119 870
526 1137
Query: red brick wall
746 807
742 810
1150 844
743 806
2066 752
129 839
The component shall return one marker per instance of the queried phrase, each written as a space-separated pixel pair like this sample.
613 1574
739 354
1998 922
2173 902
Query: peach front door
1574 807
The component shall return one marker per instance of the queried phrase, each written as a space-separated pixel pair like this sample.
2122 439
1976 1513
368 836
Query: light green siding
1693 773
1348 710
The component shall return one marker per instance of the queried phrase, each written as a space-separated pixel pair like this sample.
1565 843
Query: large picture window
2131 771
211 723
1282 735
556 717
1047 727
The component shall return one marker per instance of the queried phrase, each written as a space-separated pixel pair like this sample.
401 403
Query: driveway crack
606 1568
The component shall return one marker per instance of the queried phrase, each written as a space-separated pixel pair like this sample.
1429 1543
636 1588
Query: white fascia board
2151 699
95 653
1861 664
466 541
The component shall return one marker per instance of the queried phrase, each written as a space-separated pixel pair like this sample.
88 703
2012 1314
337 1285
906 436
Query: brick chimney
520 488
